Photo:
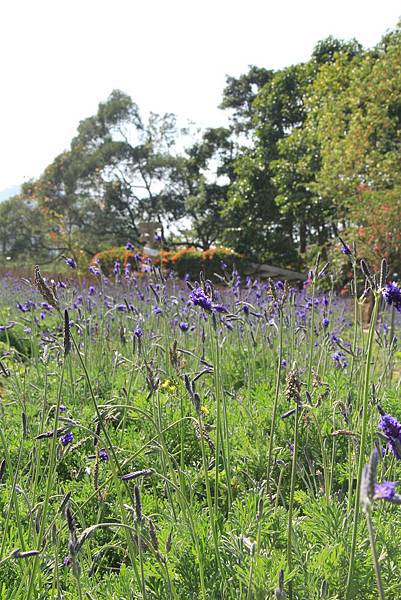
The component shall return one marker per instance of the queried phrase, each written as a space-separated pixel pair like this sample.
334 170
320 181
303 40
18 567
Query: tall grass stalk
362 448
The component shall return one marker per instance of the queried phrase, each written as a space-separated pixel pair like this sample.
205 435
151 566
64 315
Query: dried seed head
368 480
153 535
383 273
293 386
169 541
67 333
2 469
49 294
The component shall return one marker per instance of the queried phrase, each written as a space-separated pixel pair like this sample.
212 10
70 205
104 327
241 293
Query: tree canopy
309 149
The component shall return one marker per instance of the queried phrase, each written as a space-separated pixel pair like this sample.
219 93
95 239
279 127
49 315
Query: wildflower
199 298
157 310
345 249
184 326
138 332
117 267
325 323
94 270
23 307
62 408
392 431
136 474
66 438
121 307
339 359
103 455
384 491
392 295
205 410
129 246
91 290
71 263
165 384
284 363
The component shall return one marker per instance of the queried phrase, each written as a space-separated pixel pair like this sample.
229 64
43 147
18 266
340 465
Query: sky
60 58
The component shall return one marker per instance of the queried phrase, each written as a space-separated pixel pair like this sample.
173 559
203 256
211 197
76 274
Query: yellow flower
165 384
171 389
205 410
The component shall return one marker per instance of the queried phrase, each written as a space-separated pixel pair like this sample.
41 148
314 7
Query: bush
188 261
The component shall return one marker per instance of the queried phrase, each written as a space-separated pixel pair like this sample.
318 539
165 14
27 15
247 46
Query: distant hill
13 190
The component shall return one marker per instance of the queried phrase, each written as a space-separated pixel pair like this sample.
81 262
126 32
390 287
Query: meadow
234 439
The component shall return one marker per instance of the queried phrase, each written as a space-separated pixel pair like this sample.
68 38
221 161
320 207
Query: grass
214 454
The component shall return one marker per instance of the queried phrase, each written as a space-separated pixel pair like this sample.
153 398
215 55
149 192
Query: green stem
374 554
275 401
362 450
291 503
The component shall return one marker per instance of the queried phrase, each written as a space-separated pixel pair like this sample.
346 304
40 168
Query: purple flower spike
392 430
103 455
184 326
345 249
66 438
71 263
385 490
199 298
392 295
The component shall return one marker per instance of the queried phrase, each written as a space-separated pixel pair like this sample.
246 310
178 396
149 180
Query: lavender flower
385 490
71 263
103 455
138 332
129 246
184 326
117 267
339 359
199 298
392 295
66 438
392 431
325 323
345 249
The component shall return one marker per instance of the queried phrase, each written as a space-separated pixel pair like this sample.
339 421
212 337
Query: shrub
188 261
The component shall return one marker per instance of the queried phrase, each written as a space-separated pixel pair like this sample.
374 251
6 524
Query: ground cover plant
226 439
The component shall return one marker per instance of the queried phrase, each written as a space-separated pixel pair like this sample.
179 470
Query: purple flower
325 323
62 409
23 307
103 455
91 290
392 295
129 246
94 270
339 359
392 430
71 263
184 326
345 249
284 363
121 307
66 438
385 490
138 332
157 310
199 298
117 267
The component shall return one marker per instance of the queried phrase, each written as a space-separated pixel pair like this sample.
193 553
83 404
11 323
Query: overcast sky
60 58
